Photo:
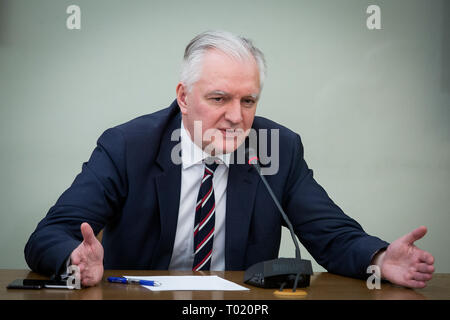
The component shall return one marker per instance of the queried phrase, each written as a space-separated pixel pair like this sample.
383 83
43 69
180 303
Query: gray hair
235 46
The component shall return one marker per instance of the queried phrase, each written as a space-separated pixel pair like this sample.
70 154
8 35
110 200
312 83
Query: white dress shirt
192 172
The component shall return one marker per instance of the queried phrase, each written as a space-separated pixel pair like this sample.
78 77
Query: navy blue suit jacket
131 189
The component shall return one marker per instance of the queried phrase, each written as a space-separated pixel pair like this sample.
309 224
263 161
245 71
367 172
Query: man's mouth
230 133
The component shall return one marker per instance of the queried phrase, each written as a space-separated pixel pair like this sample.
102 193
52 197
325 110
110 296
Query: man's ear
182 97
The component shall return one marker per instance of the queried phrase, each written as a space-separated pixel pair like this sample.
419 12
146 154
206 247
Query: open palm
405 264
88 256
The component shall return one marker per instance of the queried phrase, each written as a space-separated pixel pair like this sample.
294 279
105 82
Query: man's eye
217 99
249 102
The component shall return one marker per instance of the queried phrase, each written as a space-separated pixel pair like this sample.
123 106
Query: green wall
372 106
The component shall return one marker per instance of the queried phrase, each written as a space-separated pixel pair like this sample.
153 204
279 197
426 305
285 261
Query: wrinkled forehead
221 70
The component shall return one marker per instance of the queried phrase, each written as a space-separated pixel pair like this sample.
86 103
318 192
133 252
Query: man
206 212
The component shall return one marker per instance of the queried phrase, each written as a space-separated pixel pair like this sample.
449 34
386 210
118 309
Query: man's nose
234 112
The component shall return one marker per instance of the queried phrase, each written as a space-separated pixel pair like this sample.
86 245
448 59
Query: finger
426 257
82 267
75 257
416 284
89 280
415 235
88 233
419 276
84 280
425 268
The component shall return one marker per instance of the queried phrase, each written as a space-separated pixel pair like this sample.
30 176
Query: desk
324 286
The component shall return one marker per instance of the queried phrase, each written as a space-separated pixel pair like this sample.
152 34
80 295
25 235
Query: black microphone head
251 157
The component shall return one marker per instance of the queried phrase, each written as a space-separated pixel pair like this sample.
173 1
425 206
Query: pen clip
157 283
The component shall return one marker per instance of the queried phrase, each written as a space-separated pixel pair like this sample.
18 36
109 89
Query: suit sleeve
335 240
95 196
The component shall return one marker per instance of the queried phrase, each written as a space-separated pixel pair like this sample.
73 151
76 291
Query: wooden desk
324 286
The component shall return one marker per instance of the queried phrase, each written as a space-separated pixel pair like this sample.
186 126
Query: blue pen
134 281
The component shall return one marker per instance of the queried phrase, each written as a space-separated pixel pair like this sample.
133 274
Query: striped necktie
204 221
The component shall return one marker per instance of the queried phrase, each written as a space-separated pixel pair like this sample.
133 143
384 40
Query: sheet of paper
190 283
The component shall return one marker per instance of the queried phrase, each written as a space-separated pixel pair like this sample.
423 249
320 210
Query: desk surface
324 286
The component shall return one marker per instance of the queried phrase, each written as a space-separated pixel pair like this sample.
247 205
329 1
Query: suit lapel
168 185
241 193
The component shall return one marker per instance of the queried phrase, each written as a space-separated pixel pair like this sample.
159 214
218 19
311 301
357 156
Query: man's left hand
405 264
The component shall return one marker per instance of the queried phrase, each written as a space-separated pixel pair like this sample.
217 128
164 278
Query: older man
206 212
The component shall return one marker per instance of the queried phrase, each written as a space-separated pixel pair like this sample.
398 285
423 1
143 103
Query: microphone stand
266 269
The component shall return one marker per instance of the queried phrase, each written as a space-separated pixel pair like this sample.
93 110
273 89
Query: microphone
281 272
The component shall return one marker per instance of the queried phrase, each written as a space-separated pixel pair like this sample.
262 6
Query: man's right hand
88 256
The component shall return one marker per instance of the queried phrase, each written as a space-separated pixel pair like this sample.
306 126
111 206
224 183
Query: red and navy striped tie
204 221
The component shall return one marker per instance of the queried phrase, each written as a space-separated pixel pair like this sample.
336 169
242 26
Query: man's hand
404 264
88 256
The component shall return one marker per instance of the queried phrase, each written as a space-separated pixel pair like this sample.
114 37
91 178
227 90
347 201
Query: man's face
224 101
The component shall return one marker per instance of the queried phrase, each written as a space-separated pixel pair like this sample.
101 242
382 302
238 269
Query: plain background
372 106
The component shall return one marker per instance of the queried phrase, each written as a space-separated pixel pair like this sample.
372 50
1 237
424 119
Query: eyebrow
217 92
223 93
254 96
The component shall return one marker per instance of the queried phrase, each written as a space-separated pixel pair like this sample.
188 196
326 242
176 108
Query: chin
230 145
223 147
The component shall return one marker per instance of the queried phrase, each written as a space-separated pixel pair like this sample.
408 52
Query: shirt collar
192 154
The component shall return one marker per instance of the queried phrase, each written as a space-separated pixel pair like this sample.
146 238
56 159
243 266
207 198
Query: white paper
190 283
